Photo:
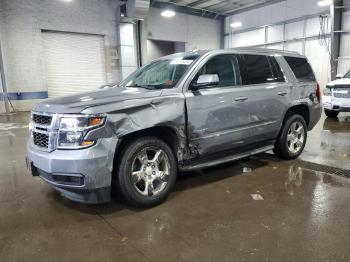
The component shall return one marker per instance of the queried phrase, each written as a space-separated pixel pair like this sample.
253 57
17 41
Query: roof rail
261 49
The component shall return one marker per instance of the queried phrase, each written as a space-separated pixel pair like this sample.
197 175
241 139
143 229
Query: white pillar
127 49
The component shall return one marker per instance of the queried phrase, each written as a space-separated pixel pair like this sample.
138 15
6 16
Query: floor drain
312 166
323 168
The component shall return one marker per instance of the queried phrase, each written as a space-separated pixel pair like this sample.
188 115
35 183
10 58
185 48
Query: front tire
147 172
292 138
331 113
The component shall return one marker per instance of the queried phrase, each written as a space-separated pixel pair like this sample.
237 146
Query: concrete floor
304 214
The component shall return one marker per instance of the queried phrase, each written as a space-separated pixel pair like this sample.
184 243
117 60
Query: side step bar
226 159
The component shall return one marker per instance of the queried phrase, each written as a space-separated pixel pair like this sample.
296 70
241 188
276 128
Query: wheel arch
167 134
300 109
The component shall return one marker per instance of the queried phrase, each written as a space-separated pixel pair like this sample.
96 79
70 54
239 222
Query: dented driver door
218 116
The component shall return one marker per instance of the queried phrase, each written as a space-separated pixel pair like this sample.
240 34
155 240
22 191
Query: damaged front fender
137 115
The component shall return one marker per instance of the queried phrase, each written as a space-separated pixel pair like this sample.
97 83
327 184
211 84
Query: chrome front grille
42 119
343 92
44 130
41 140
341 95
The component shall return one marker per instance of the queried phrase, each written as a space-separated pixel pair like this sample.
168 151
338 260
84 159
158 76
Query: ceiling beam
208 4
220 4
181 2
198 2
188 10
251 7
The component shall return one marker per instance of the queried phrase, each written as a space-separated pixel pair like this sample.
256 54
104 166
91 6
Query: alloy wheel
150 171
295 137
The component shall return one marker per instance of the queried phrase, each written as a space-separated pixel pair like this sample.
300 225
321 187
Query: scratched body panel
205 121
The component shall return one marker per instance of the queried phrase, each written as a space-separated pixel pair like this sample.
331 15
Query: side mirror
339 76
205 81
106 86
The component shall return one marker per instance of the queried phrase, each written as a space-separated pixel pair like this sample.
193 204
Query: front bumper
336 104
81 175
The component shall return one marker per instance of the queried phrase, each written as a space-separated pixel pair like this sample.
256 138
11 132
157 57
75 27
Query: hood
76 103
342 81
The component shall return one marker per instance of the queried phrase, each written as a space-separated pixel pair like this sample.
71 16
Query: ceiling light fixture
168 13
236 24
325 2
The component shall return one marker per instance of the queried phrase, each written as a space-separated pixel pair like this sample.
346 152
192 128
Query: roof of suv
265 50
238 50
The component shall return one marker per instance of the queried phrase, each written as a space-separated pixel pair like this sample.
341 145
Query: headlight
72 130
327 91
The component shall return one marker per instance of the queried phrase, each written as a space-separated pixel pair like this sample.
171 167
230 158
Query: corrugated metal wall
299 35
344 56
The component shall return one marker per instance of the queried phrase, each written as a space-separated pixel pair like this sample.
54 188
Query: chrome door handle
282 93
241 99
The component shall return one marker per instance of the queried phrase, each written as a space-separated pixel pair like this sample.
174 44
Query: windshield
160 74
347 75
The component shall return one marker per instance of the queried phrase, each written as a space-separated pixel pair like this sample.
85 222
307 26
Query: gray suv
181 112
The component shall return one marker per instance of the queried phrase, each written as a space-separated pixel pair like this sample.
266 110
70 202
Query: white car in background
337 96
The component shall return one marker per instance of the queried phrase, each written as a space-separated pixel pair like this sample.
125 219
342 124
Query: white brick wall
21 22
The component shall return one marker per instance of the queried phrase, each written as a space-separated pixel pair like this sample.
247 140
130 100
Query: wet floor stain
9 126
210 216
329 142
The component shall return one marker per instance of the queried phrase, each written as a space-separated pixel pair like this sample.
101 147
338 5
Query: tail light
318 93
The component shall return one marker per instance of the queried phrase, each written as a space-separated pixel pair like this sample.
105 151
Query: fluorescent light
67 0
325 2
236 24
168 13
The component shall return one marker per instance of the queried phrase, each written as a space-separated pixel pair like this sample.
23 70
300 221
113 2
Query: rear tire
292 138
331 113
147 172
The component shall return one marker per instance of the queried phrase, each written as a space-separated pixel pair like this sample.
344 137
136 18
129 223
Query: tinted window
276 70
301 68
226 67
257 70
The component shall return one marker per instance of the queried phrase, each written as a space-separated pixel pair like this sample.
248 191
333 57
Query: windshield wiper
160 86
142 86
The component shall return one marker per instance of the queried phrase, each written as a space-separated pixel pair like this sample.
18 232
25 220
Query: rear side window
276 70
256 70
301 68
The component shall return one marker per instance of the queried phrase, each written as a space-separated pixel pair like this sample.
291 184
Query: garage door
74 63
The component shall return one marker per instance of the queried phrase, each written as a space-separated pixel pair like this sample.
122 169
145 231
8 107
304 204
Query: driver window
226 67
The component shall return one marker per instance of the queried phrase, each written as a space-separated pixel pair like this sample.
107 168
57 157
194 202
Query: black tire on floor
125 183
331 113
281 149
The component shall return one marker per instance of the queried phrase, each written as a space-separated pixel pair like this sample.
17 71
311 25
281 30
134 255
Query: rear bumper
80 175
315 115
